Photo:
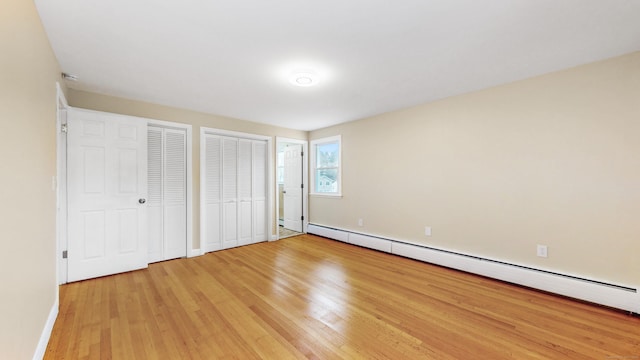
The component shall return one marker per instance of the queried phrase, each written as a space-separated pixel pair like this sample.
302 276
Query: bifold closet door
211 167
235 185
167 203
259 195
245 177
229 192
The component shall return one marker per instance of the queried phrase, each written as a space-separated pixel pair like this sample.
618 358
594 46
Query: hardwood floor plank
311 298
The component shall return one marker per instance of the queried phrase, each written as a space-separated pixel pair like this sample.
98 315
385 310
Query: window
326 169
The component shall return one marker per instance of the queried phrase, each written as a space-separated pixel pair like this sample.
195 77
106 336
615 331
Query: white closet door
175 194
235 199
259 191
230 192
212 237
245 211
154 200
167 203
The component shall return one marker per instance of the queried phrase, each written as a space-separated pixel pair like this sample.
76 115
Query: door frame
191 252
270 177
61 186
305 180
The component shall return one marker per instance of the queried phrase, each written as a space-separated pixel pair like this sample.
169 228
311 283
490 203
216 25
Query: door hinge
302 153
63 128
302 217
301 186
64 254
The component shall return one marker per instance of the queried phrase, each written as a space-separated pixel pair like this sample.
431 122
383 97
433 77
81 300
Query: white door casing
292 196
61 185
107 188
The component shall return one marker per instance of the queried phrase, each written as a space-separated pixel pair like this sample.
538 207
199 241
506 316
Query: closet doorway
235 178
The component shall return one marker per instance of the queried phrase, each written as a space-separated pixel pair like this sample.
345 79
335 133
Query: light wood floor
308 297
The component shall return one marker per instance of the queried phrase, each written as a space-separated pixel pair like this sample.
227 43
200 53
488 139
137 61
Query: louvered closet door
154 200
235 181
245 205
260 191
167 203
229 192
212 237
175 193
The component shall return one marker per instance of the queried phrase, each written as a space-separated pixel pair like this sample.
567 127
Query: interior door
259 185
212 190
166 202
175 194
107 186
229 192
245 196
292 196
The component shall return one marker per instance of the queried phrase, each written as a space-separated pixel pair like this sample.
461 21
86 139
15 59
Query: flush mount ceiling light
304 78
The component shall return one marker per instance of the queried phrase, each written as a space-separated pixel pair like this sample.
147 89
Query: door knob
142 201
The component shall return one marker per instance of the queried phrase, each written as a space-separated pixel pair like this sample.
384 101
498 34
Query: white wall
551 160
27 201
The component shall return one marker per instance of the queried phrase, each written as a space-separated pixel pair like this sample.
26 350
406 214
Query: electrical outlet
427 230
542 251
360 222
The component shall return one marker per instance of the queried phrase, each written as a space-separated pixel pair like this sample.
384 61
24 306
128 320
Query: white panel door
229 192
293 187
212 169
259 183
107 175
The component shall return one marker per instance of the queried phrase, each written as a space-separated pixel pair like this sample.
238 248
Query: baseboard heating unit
613 295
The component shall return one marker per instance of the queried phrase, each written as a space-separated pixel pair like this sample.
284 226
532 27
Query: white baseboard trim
599 292
46 332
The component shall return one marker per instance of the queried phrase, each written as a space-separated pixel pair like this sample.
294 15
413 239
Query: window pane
327 155
326 180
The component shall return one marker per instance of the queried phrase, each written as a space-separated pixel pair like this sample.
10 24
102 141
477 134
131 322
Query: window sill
335 196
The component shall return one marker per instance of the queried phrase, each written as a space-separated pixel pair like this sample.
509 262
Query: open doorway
291 186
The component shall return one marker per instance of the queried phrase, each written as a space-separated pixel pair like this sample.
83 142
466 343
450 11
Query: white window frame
314 147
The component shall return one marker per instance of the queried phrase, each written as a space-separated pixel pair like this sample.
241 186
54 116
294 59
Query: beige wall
116 105
551 160
28 75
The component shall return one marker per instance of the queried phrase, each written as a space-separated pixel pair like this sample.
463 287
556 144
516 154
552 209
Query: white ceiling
233 58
